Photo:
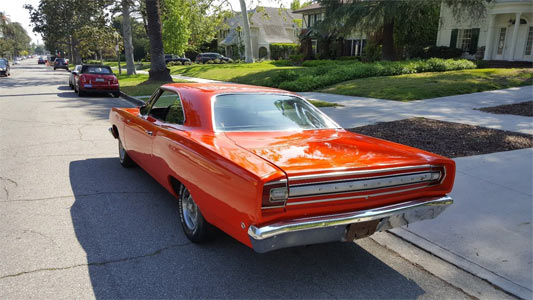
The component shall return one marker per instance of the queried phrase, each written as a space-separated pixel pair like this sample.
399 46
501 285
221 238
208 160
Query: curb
132 99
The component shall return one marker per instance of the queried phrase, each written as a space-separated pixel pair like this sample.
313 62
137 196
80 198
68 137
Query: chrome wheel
190 210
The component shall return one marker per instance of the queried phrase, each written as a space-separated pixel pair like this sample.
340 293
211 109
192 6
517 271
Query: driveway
75 224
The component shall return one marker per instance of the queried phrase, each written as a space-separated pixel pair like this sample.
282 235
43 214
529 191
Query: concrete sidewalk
359 111
488 230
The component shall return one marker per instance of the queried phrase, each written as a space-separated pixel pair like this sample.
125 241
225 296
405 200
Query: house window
354 47
313 19
313 46
465 39
501 41
529 41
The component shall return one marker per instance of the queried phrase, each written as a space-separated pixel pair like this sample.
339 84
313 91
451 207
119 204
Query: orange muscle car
271 170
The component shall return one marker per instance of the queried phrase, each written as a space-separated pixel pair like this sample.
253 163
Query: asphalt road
75 224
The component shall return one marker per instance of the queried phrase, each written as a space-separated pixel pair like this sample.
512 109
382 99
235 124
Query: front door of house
501 44
523 51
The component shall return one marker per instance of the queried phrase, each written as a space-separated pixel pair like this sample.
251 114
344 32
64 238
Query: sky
15 11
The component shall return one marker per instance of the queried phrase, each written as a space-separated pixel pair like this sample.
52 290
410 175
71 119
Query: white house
268 25
504 33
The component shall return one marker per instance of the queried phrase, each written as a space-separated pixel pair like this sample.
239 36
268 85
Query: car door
140 130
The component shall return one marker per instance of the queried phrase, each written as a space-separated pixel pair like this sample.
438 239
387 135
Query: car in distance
73 76
96 79
41 61
175 58
271 170
5 69
202 58
60 63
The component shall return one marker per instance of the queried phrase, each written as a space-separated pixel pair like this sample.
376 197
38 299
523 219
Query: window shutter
473 42
453 39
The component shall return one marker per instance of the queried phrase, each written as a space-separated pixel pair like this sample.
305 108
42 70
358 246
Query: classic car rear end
271 170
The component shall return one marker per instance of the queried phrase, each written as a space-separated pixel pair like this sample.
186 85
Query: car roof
211 89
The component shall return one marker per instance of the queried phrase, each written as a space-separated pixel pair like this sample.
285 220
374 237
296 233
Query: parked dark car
5 69
60 63
96 79
205 57
172 57
41 61
73 76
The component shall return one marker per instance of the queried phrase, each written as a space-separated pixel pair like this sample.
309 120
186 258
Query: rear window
60 60
97 70
267 112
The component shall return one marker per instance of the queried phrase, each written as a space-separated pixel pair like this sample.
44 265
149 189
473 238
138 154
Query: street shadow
96 105
129 227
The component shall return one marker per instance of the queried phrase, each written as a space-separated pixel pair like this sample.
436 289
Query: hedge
283 50
319 75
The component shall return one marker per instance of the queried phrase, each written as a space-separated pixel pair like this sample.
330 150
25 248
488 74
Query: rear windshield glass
266 112
97 70
3 63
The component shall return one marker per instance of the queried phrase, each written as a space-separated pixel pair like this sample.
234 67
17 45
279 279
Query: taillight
115 80
275 194
83 78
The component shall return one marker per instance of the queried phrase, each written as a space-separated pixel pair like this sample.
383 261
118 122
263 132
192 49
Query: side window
168 108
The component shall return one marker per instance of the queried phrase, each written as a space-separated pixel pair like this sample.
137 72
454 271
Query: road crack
97 264
5 182
73 196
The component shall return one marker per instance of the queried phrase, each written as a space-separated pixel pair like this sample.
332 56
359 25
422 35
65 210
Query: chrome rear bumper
330 228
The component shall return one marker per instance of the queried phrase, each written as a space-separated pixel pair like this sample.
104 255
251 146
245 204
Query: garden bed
519 109
446 138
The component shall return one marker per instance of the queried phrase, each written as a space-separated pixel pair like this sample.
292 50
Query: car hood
322 151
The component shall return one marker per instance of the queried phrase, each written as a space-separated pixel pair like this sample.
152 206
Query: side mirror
74 72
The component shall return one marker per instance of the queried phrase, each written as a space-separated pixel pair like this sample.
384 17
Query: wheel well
177 186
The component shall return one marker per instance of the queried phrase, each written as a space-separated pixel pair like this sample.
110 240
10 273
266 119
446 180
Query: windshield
266 112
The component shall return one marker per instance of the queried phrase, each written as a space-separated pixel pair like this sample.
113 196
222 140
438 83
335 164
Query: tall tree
127 36
58 21
248 53
175 16
158 69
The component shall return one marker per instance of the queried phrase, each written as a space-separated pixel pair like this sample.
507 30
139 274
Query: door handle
148 132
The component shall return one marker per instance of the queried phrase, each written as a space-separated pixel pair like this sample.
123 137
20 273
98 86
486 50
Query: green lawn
256 73
139 85
430 85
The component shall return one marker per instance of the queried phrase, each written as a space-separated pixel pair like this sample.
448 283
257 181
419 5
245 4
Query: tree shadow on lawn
129 227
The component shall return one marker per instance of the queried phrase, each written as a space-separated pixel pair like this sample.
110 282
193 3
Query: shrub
283 50
443 52
357 58
216 61
174 63
296 58
210 62
187 63
320 74
282 63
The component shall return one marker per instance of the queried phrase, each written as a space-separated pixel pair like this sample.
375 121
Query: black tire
193 223
54 69
81 93
123 156
116 94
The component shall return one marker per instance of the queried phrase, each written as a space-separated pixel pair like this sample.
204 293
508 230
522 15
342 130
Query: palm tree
128 44
158 69
248 54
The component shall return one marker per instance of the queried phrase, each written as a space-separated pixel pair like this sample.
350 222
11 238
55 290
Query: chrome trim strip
296 225
358 172
320 188
356 197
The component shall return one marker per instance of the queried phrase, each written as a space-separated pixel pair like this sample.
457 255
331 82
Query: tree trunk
248 53
389 53
128 44
158 69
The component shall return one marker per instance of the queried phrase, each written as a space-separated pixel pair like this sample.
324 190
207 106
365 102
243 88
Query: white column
515 35
490 38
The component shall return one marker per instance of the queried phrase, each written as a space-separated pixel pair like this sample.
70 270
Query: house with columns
505 33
